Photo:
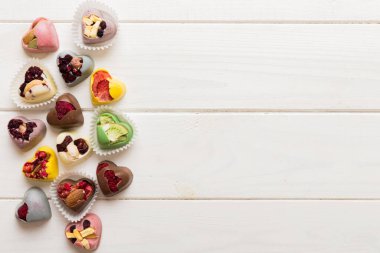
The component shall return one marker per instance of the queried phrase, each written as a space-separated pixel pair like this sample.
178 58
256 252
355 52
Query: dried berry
112 179
103 25
100 33
81 145
63 146
22 211
86 224
62 108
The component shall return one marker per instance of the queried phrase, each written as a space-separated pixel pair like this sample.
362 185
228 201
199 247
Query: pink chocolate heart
47 38
88 239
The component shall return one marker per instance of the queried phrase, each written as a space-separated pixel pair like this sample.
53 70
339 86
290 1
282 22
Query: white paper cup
93 133
66 212
77 25
19 79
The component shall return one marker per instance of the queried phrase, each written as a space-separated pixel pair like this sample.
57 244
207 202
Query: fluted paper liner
64 210
76 28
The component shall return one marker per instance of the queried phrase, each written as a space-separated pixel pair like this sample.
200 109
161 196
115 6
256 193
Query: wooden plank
205 10
210 226
229 67
234 155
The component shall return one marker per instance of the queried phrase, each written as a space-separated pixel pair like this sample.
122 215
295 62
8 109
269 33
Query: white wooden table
259 126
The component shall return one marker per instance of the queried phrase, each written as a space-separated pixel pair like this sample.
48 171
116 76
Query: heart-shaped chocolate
43 166
98 26
26 133
104 88
85 234
34 206
74 68
113 179
72 149
76 194
112 132
67 112
38 85
41 37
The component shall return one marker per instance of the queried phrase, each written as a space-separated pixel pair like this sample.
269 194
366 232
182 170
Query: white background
259 126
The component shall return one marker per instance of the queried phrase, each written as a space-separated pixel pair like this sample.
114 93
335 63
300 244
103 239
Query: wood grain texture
235 155
211 226
207 10
229 67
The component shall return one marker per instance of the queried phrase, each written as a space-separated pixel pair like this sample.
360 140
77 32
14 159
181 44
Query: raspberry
62 108
22 211
112 180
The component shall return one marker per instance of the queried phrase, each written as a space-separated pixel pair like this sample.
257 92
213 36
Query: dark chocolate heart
26 133
76 194
67 112
113 179
74 68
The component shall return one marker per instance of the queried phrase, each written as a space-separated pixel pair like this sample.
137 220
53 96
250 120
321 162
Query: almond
74 197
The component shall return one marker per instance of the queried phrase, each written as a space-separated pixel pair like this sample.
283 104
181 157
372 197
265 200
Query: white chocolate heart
71 152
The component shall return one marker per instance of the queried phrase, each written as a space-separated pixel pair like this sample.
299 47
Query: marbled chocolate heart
76 194
98 26
85 234
26 133
67 112
34 206
41 37
74 68
113 179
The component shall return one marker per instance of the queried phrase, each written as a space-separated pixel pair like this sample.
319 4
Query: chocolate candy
85 234
41 37
113 179
98 26
72 149
38 85
76 194
42 166
112 132
105 89
34 206
26 133
74 68
67 113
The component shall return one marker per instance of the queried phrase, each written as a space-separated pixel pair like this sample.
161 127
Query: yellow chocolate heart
104 88
43 166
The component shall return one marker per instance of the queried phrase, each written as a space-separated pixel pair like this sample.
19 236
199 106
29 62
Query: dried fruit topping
21 130
75 193
81 145
63 146
94 26
62 108
37 168
101 166
86 224
69 67
33 73
72 228
100 86
112 180
22 211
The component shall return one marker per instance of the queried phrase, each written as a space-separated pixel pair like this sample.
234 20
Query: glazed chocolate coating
72 119
109 32
35 137
122 172
80 206
86 69
38 205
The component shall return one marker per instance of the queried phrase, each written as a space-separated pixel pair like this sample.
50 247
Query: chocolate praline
113 179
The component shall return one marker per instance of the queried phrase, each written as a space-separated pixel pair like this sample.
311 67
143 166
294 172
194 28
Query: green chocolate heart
112 132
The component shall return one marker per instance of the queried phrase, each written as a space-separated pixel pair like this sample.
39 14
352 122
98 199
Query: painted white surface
258 129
